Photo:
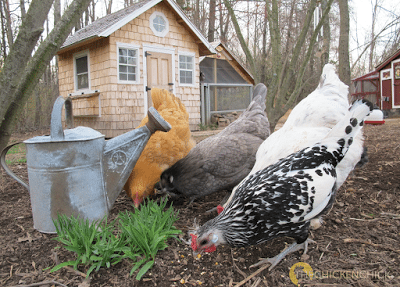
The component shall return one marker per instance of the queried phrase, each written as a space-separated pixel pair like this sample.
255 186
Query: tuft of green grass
16 154
147 231
135 235
208 127
93 242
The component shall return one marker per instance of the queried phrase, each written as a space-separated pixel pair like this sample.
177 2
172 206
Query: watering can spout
122 152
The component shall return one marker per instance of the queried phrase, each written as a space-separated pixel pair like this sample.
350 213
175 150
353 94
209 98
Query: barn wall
122 105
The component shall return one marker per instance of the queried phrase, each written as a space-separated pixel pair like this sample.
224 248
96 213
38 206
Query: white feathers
309 122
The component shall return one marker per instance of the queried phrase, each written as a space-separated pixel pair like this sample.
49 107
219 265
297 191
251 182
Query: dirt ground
358 245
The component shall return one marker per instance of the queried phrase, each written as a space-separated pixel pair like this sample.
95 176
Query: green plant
93 243
16 154
139 237
202 127
208 127
147 231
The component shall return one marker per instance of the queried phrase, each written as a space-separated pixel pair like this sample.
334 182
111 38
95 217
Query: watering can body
76 171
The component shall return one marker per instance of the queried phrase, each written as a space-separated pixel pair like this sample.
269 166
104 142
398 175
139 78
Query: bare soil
358 244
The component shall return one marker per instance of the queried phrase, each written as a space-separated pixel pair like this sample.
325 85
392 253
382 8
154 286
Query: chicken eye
203 242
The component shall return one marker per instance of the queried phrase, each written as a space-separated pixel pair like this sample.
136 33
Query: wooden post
215 89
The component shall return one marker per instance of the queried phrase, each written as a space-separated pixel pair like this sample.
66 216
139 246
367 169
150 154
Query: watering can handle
7 169
56 129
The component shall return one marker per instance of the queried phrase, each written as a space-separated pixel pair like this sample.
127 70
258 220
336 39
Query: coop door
396 84
159 73
386 89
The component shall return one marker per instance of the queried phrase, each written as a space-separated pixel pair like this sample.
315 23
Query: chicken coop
226 86
381 86
109 67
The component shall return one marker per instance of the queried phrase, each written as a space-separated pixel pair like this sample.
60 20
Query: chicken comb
219 209
194 245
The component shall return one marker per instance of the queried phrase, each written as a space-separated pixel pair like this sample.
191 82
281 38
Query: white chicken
309 122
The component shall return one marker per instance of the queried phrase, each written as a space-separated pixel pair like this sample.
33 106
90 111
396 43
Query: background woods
284 44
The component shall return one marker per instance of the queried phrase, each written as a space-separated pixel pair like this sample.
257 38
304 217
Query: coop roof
388 60
225 72
107 25
221 47
369 76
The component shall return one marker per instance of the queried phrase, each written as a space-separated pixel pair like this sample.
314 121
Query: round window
159 24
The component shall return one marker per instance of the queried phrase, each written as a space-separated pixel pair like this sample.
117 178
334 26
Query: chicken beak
197 252
137 200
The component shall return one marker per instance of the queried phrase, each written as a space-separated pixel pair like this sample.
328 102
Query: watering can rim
69 136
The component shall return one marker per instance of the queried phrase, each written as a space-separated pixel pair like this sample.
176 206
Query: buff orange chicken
162 149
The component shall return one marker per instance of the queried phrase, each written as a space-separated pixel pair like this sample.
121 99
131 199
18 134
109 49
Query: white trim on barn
156 49
385 79
131 47
189 54
393 89
152 24
81 54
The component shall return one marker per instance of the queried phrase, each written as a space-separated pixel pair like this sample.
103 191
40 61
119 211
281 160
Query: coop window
128 64
186 70
159 24
81 71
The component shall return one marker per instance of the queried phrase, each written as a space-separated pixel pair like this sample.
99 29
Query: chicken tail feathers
349 126
330 79
259 96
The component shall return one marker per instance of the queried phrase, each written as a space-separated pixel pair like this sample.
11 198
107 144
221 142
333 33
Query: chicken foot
278 258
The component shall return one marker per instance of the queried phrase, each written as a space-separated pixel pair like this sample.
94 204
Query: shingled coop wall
114 108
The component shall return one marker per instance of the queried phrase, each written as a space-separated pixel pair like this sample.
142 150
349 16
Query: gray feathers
220 162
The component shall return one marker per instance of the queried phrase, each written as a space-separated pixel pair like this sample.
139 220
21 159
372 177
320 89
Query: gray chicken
220 162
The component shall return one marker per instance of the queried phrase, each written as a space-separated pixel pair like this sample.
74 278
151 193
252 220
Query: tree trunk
196 13
57 18
326 39
344 61
109 6
245 48
263 76
287 82
8 22
22 7
93 15
3 31
211 21
21 72
372 46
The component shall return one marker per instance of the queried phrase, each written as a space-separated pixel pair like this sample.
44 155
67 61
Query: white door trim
156 49
392 73
381 79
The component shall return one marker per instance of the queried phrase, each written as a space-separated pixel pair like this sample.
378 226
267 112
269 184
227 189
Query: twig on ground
257 282
69 268
252 275
237 268
367 220
42 283
355 240
393 215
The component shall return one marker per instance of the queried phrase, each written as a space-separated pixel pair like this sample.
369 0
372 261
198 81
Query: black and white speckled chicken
220 162
308 123
283 198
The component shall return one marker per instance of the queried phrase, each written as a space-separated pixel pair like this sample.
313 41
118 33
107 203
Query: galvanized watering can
76 171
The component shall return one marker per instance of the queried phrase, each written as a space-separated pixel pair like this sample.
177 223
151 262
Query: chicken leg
278 258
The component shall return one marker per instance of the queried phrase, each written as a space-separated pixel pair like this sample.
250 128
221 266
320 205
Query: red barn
381 86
